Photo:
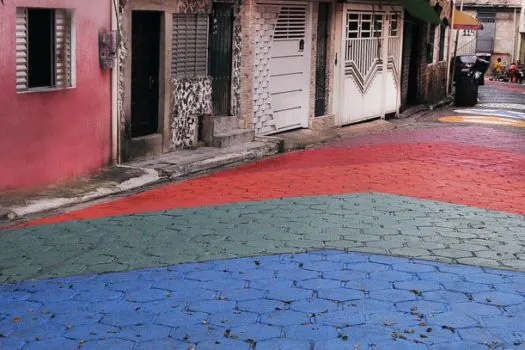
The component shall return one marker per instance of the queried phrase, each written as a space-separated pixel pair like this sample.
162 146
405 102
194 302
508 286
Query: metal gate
370 84
485 37
320 72
220 57
290 67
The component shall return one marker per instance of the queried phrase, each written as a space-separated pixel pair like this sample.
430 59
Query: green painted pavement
369 222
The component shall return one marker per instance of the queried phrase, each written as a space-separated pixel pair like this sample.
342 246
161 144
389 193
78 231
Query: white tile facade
264 21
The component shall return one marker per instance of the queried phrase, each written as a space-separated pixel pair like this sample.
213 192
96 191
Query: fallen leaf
416 292
452 329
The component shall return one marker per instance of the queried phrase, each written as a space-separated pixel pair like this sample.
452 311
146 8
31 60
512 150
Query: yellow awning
465 21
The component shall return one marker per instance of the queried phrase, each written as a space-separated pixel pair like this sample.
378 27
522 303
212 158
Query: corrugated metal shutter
62 49
291 23
21 49
189 45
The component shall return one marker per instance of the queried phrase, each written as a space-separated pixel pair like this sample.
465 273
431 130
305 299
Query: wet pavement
411 238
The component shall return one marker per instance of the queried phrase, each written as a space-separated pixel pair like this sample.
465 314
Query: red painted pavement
484 168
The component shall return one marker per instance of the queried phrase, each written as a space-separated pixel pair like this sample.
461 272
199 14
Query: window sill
44 89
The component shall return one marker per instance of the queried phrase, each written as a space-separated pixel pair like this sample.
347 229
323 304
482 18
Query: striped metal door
289 72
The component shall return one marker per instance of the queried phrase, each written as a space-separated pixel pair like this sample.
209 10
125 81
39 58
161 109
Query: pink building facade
55 99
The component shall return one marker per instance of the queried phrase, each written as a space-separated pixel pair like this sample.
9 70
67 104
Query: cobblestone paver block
401 226
417 305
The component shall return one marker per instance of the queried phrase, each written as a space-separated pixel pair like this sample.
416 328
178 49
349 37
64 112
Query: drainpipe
452 17
514 38
115 157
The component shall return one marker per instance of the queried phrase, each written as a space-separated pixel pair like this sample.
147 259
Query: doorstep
119 180
183 163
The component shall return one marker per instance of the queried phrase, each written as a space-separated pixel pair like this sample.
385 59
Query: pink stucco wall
48 137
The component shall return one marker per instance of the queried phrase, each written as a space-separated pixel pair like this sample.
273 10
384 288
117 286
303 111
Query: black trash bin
466 91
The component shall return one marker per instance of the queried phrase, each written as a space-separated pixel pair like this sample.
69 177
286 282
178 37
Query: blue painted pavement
320 300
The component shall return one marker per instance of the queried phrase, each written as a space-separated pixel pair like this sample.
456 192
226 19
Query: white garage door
289 68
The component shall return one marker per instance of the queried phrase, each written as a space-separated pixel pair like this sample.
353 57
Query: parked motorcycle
469 73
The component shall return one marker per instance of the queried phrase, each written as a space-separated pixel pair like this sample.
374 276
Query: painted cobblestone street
412 238
320 300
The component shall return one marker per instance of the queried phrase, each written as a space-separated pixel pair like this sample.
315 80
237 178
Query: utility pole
456 43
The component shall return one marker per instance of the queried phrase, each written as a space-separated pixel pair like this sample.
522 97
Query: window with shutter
21 49
62 49
43 48
189 45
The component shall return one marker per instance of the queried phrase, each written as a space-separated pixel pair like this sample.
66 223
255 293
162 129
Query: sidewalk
147 172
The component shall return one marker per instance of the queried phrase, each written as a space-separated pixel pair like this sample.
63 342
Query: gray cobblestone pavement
371 222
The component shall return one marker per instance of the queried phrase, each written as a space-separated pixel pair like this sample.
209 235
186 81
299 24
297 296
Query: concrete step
233 137
225 124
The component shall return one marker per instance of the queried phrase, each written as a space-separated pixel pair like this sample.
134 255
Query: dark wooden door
220 56
145 59
320 72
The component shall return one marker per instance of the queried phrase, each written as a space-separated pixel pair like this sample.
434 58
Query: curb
9 216
149 177
224 161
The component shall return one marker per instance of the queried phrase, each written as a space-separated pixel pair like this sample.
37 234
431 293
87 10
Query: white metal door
370 85
289 68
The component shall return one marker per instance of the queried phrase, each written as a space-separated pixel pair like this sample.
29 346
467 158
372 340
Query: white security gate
366 91
289 81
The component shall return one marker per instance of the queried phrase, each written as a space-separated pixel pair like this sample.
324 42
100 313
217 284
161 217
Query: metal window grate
189 45
291 23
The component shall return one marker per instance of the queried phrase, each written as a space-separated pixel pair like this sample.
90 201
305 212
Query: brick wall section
328 120
246 100
313 65
435 82
405 64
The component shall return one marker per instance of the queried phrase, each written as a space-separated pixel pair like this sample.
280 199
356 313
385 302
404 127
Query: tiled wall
264 20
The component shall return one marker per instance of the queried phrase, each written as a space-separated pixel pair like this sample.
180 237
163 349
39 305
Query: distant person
521 71
498 69
513 73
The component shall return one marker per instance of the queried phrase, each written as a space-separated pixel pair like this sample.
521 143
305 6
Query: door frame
340 70
159 75
307 53
164 76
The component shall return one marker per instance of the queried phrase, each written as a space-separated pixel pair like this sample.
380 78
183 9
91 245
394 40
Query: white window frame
23 88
